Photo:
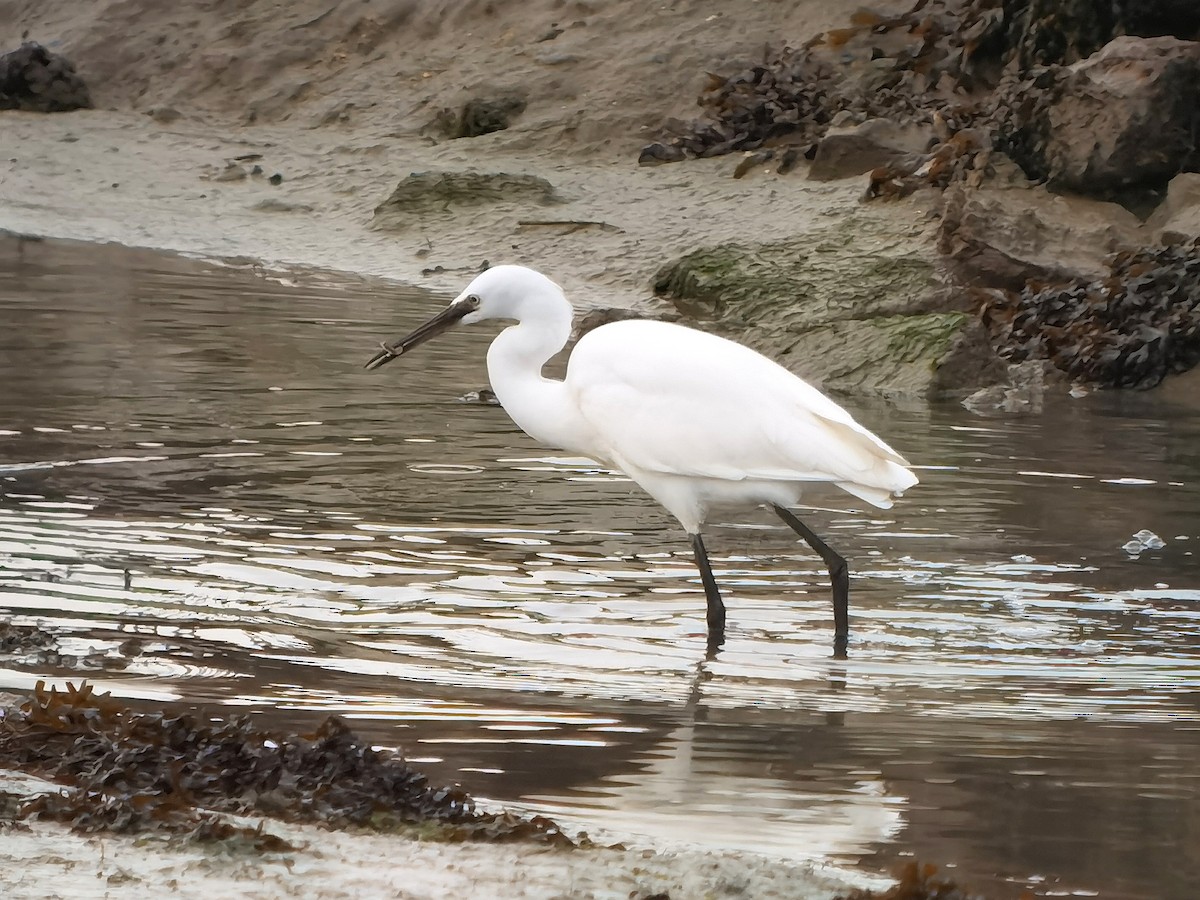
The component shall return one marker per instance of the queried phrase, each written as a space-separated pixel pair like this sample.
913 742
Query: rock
485 115
852 150
1085 127
1003 236
480 116
35 80
274 204
231 172
851 321
1154 18
1024 391
164 115
657 153
1060 32
1177 218
422 193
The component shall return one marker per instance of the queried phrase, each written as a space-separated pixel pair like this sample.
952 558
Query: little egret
695 420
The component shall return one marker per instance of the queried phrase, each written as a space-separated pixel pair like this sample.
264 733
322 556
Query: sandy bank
47 860
121 176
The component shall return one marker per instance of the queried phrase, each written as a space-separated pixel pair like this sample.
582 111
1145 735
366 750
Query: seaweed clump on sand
1131 328
917 881
131 772
941 56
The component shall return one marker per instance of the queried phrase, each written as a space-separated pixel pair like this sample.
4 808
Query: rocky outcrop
849 320
35 80
1122 118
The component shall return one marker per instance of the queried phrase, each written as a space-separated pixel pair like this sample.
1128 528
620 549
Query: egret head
501 292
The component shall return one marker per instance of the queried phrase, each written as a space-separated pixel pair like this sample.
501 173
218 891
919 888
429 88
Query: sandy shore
120 176
46 860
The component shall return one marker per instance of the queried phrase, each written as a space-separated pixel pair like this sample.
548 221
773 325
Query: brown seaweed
1130 328
906 68
131 772
917 881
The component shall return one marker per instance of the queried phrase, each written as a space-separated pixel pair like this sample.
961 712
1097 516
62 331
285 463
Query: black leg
716 608
839 577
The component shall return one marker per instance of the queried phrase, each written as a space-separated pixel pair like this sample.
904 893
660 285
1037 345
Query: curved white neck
541 406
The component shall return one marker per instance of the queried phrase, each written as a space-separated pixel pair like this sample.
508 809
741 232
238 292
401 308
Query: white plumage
697 421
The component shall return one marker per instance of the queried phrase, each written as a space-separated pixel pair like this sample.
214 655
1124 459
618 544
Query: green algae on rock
423 193
852 321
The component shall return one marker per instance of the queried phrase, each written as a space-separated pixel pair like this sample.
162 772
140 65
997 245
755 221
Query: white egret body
695 420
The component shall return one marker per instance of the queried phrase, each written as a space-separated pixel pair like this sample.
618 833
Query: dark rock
1063 32
1058 32
757 159
1157 18
853 150
1086 127
35 80
480 116
487 115
656 154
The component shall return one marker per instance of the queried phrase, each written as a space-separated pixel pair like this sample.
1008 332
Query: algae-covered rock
425 193
851 321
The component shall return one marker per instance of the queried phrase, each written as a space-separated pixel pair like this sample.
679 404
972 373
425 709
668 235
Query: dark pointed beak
444 320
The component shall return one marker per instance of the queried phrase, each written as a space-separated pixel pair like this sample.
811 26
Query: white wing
674 400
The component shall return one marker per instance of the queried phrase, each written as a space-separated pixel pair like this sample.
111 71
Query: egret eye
474 300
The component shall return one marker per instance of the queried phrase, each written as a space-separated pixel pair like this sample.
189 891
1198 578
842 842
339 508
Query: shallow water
210 502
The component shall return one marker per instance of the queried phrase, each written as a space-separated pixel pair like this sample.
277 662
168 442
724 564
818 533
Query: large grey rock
1002 236
1124 117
